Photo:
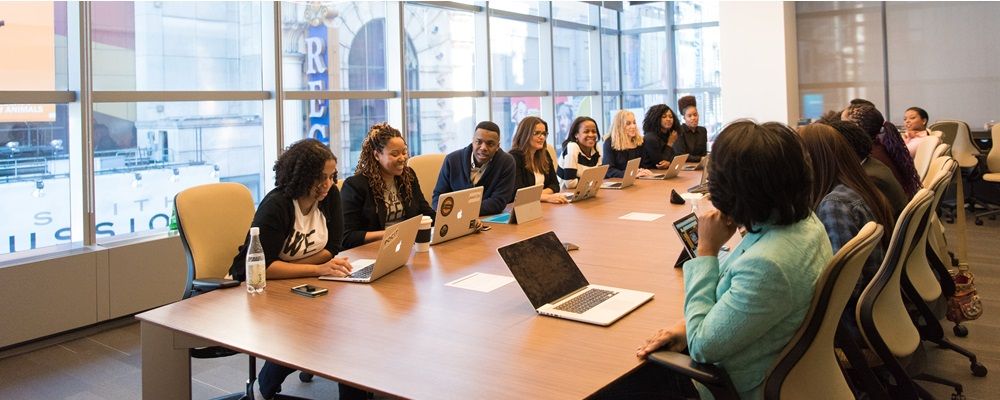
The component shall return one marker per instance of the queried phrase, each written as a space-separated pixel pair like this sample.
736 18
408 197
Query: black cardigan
362 215
617 160
655 149
276 216
694 143
524 178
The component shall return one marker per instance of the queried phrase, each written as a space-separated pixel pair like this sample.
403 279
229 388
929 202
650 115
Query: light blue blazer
742 312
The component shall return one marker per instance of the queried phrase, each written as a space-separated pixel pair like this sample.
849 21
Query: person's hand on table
673 339
337 266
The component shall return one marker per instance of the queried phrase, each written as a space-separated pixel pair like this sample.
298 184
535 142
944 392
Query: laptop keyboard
363 273
586 300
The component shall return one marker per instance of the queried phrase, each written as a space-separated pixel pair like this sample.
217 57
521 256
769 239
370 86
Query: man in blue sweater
482 163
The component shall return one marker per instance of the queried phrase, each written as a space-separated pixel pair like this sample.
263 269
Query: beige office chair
942 149
992 174
213 221
427 167
808 361
925 153
882 316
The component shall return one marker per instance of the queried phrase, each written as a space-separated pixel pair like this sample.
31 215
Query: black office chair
213 221
808 366
992 173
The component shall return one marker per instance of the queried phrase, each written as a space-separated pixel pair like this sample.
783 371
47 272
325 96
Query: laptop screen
687 230
543 268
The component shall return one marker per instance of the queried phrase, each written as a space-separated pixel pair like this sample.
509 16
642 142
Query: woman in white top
579 151
915 128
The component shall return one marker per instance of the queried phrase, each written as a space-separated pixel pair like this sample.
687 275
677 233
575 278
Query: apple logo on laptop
459 214
399 245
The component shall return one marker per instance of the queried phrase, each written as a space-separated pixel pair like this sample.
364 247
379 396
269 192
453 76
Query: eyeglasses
542 133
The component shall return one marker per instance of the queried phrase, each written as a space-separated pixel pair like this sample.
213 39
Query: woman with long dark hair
888 146
532 162
659 133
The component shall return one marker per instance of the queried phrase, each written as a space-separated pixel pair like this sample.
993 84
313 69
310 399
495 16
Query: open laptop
527 206
588 184
556 287
631 169
697 166
392 253
456 214
702 187
675 168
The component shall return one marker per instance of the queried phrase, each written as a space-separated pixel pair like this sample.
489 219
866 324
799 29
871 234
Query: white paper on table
638 216
481 282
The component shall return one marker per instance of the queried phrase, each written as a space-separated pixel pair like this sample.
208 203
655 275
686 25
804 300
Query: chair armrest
210 284
683 364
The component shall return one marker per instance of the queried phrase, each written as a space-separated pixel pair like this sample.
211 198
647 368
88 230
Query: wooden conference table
408 335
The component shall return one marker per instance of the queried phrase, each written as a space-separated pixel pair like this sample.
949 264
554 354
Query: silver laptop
697 166
702 187
631 170
456 214
527 206
556 287
392 253
675 168
588 184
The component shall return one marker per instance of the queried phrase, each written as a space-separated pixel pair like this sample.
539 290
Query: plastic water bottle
256 267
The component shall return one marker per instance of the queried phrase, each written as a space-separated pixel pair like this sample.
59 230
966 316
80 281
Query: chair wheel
957 396
979 221
305 377
960 330
979 370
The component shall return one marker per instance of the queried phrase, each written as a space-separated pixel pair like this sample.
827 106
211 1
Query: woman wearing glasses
533 164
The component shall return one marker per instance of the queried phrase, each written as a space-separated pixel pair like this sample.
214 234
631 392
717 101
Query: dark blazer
694 142
275 217
497 181
617 160
655 149
524 178
362 215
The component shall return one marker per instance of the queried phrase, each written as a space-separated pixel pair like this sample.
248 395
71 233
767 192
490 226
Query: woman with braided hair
888 146
383 190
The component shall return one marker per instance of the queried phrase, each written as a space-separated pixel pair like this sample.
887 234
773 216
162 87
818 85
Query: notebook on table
588 184
631 170
393 252
556 287
527 206
456 214
675 168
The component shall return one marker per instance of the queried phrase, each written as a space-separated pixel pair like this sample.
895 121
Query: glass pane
644 16
515 55
520 7
36 33
690 12
609 60
34 176
341 123
709 111
508 111
697 57
334 45
441 125
609 18
573 11
567 109
644 61
571 56
167 45
611 106
441 48
159 149
639 103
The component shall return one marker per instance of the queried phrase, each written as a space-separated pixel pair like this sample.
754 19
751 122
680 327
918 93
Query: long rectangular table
408 335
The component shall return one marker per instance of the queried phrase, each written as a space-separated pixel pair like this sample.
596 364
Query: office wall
759 64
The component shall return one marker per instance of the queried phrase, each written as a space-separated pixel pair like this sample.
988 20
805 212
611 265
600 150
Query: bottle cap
254 230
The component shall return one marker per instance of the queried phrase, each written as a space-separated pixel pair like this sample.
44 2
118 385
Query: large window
177 94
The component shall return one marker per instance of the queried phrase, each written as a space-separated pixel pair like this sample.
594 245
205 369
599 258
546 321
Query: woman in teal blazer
739 313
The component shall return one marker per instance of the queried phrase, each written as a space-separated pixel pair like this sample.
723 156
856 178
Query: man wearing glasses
482 163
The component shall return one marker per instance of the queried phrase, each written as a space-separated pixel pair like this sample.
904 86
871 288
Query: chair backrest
552 153
427 167
962 148
918 268
808 361
941 149
932 170
993 158
881 315
213 221
925 154
948 130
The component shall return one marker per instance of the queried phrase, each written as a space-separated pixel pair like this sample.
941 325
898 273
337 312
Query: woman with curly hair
888 146
660 128
301 225
383 190
532 162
